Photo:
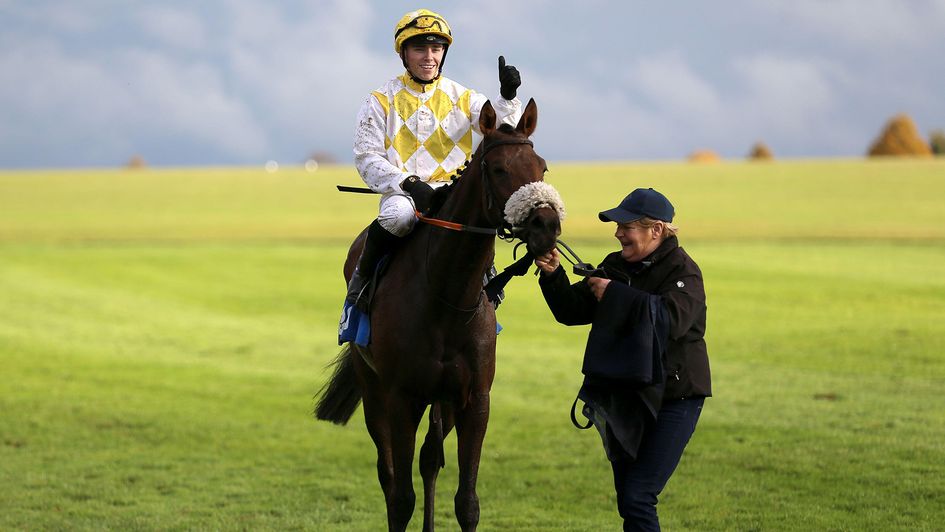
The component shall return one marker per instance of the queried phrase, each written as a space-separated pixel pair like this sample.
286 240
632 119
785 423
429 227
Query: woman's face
423 60
637 241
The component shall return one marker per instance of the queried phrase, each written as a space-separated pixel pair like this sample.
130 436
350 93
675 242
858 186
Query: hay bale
760 152
900 138
937 142
136 162
704 156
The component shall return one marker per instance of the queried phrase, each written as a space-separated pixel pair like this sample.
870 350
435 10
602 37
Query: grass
162 334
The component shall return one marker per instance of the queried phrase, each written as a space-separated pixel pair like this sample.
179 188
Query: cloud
174 27
241 81
662 107
67 17
190 99
75 109
579 121
261 83
477 26
306 72
870 24
783 95
672 86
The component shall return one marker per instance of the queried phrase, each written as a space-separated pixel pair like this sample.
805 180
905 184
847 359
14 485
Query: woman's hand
548 262
598 285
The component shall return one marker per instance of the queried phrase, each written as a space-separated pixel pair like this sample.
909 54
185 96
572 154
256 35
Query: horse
433 332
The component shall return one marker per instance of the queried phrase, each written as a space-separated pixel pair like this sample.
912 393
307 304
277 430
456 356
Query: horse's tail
340 396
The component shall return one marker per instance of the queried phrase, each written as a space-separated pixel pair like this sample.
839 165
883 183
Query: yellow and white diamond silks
405 128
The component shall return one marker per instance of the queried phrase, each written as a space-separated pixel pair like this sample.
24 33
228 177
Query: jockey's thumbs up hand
509 79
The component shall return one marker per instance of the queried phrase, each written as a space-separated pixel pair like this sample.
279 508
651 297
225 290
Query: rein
453 226
473 310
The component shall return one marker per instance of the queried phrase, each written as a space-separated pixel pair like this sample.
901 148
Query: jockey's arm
370 156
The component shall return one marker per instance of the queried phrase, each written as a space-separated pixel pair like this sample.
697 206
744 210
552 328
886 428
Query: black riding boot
379 242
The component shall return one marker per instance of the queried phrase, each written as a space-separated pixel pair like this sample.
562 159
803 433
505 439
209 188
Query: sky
90 83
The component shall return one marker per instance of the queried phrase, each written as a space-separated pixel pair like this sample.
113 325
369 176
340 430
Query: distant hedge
937 142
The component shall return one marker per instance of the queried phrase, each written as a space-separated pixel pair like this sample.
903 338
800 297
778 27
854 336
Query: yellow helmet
422 22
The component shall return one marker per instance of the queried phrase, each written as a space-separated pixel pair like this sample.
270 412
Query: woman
646 366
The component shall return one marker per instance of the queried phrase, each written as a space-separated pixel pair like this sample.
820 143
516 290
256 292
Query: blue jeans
640 482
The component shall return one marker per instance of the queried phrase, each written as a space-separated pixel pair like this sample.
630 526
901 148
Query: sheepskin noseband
530 197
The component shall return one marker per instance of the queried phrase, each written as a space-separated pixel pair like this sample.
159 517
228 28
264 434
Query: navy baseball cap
641 202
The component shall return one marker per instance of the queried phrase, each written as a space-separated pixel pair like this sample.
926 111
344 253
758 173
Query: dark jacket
671 275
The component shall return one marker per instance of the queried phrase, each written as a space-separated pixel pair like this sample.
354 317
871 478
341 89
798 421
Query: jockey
418 125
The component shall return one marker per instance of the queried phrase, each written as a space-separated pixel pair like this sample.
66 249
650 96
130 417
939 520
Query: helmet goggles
422 23
426 22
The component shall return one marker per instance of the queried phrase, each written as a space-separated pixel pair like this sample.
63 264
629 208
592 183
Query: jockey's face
423 60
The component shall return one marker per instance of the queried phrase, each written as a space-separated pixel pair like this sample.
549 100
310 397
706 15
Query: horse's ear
487 119
529 119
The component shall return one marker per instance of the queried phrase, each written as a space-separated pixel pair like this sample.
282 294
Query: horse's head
513 177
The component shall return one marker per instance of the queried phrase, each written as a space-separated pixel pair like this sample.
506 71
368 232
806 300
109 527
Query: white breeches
398 214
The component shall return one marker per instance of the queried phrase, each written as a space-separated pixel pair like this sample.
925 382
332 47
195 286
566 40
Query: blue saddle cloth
355 326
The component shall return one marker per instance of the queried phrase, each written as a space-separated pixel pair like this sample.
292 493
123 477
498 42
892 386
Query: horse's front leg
470 430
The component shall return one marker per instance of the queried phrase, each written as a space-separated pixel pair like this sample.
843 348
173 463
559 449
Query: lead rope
574 420
579 267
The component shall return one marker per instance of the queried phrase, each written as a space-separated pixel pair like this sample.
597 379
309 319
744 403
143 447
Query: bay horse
433 332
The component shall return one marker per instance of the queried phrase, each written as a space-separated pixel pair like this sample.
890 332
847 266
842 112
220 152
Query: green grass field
162 333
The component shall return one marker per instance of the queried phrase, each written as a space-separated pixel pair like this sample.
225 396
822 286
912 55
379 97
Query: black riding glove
509 79
421 192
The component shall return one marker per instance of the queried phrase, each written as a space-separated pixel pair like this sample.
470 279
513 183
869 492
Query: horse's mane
442 193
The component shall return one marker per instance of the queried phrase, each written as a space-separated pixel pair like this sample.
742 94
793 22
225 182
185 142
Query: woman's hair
668 228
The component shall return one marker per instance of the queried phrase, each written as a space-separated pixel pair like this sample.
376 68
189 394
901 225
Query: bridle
489 195
503 229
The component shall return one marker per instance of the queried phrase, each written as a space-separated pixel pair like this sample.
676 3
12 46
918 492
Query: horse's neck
465 202
454 257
